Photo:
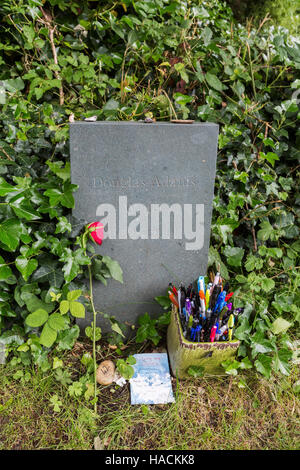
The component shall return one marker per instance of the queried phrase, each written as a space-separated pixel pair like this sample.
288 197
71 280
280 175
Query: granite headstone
2 352
152 186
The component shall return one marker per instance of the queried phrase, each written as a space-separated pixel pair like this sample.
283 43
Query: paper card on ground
151 382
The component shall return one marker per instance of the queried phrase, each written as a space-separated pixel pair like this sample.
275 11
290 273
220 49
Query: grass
209 413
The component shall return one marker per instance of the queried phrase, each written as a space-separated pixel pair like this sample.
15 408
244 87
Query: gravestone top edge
142 123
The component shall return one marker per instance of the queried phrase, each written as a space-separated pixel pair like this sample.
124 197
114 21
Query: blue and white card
151 382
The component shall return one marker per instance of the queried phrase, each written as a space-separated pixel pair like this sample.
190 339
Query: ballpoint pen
179 300
230 327
208 313
189 290
173 299
216 279
213 333
218 331
214 295
188 308
173 288
220 302
201 284
202 300
182 297
207 295
228 296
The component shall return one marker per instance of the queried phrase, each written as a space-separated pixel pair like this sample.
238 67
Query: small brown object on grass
105 373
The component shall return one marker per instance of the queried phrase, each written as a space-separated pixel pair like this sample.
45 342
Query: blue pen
184 313
218 331
195 332
220 302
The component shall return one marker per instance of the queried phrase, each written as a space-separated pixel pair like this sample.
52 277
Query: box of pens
201 330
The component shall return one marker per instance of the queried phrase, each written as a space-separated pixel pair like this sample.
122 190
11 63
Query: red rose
97 234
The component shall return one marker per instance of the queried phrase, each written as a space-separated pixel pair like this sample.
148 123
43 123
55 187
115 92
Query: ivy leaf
73 261
58 169
263 365
234 255
114 268
147 330
63 197
66 338
37 318
246 363
270 156
26 266
280 325
281 361
48 272
265 231
164 319
24 209
214 82
13 84
231 367
63 225
260 345
10 232
6 188
164 301
5 270
34 303
111 107
214 258
206 35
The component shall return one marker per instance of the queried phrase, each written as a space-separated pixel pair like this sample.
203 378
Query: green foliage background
283 12
63 60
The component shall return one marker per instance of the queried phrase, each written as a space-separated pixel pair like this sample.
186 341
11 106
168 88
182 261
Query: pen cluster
206 312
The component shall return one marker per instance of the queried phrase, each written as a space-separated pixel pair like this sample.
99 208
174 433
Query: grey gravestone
2 352
152 185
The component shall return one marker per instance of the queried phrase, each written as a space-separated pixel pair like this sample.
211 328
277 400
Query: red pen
173 289
228 296
173 299
213 333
